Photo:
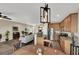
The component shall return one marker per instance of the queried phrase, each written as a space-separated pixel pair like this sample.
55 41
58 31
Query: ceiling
29 13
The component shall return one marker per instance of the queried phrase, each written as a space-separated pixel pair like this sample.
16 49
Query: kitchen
66 32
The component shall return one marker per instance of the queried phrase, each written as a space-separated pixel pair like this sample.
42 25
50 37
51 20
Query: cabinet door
40 41
62 44
61 25
55 26
74 22
67 24
67 47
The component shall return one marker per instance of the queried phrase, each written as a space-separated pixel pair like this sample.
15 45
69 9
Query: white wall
8 25
45 29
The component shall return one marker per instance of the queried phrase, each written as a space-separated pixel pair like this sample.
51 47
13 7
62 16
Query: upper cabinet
55 26
61 25
74 22
69 24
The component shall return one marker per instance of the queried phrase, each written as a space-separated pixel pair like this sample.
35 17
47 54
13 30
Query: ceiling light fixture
44 14
58 15
45 18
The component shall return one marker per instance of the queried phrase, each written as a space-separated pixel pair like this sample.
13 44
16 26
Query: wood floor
6 48
32 50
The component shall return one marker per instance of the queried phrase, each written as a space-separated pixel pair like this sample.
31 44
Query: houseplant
25 29
26 32
7 35
23 33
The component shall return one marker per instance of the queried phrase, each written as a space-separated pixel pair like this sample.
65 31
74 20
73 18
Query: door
16 33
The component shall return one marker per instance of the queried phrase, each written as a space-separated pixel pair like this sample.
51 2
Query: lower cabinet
62 44
65 44
40 41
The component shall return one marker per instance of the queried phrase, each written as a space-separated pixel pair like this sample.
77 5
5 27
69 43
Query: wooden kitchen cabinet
40 41
65 44
62 44
67 24
55 26
61 25
74 22
70 23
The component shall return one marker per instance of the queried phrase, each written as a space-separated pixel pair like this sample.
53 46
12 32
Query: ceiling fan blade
4 16
0 13
8 18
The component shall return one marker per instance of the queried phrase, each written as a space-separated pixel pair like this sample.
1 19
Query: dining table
32 50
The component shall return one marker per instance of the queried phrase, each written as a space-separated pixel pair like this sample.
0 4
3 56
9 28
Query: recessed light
58 15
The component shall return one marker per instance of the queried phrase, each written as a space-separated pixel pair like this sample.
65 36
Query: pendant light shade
44 14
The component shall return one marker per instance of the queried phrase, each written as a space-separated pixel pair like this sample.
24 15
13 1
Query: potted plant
23 33
7 35
25 29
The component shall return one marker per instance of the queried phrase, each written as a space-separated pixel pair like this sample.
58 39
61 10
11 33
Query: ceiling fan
4 16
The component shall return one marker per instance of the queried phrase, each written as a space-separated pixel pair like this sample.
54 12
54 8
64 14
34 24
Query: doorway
16 33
